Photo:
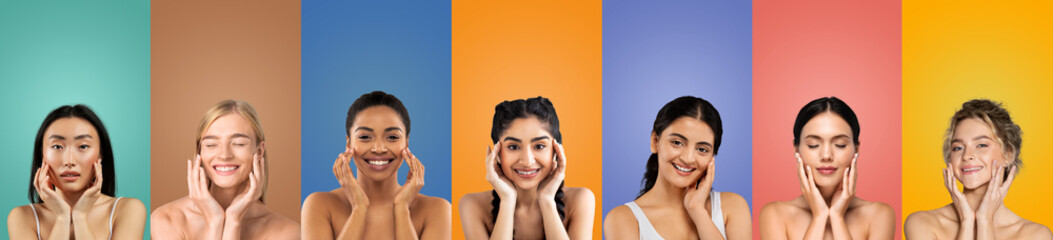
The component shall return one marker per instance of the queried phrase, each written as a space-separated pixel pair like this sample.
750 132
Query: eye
677 142
365 138
956 148
238 144
84 146
56 147
393 138
703 150
813 146
539 146
841 145
513 147
982 145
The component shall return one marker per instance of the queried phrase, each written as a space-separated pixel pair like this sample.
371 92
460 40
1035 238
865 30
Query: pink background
812 49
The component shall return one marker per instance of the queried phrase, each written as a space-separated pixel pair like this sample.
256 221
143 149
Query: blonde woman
982 151
226 180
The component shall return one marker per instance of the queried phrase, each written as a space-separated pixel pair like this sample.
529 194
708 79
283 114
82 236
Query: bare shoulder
620 222
579 197
20 223
20 214
778 209
131 206
281 227
475 200
873 208
324 198
432 206
169 212
921 220
1033 230
733 199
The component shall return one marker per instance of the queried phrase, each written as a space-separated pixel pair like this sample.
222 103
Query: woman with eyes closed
826 139
373 205
526 167
73 183
676 201
227 181
982 151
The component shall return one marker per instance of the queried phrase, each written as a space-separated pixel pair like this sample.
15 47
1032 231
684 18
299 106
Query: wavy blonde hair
996 117
243 109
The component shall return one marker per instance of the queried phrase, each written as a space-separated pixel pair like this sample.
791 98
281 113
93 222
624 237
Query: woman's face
378 137
974 152
527 152
827 146
71 147
684 149
227 150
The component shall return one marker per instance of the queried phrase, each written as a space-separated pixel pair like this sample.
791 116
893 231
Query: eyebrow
974 138
512 139
393 129
539 138
235 135
78 137
835 137
685 138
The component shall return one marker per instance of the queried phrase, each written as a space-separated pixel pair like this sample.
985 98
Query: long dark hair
686 106
109 180
540 108
825 104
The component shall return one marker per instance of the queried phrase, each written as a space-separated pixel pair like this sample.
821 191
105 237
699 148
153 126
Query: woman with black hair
72 184
826 140
373 205
526 167
676 200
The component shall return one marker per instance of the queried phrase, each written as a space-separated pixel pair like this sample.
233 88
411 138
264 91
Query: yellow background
513 50
961 50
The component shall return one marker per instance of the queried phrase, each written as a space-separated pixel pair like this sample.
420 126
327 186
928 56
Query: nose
687 157
225 153
67 158
378 147
528 157
826 154
968 154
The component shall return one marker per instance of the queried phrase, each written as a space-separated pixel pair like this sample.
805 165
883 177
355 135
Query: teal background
54 53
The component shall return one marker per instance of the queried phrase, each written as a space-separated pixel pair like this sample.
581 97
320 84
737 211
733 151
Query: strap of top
36 218
716 214
112 210
647 231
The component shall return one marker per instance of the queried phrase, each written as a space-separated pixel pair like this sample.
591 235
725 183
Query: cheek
52 157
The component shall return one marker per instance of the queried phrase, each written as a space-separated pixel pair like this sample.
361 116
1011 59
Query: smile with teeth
225 169
378 162
683 169
966 170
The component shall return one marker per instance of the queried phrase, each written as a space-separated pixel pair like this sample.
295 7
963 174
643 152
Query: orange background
207 51
514 50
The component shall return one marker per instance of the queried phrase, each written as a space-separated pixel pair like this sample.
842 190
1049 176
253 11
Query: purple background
656 51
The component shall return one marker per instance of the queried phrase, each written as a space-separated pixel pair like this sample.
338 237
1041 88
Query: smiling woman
73 184
373 205
227 180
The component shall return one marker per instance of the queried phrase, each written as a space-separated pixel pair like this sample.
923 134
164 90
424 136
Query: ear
654 142
347 140
262 148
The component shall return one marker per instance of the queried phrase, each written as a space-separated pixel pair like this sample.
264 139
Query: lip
378 163
225 169
827 170
527 172
69 176
683 170
971 169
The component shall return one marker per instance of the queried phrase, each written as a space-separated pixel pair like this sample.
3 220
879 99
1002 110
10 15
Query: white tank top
647 230
113 209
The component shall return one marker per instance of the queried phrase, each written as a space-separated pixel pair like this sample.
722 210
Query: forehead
229 124
971 127
692 128
378 117
526 128
70 127
826 125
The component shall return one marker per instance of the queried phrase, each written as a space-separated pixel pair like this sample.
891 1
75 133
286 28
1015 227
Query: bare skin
74 207
230 208
676 206
526 167
978 212
827 207
373 205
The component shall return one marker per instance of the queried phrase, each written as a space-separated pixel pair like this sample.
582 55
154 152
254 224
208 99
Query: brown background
207 51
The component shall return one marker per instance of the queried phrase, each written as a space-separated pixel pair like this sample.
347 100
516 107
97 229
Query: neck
526 198
379 191
667 194
73 197
975 196
828 194
224 196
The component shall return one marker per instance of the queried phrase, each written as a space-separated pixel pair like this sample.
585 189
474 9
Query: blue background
352 48
656 51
